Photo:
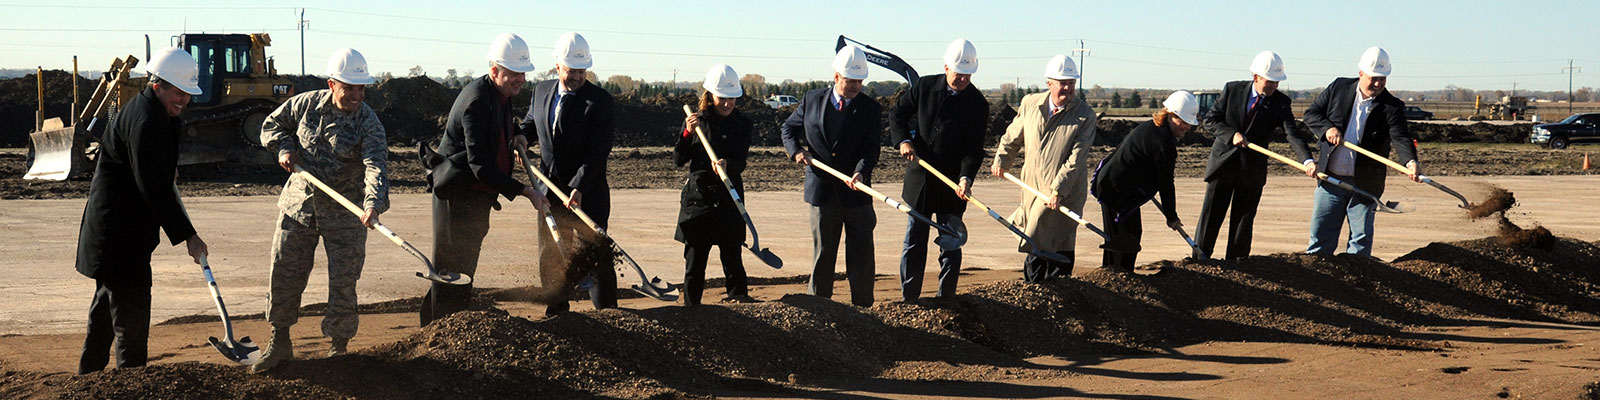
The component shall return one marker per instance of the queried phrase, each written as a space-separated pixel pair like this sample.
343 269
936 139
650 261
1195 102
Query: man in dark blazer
573 119
839 127
474 168
1359 110
1247 111
941 119
131 200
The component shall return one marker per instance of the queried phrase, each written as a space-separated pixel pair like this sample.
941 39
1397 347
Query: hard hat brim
1375 73
525 67
192 90
1280 77
1062 76
583 65
354 80
727 95
1191 119
965 71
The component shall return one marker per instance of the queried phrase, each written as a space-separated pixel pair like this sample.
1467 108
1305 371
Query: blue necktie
555 108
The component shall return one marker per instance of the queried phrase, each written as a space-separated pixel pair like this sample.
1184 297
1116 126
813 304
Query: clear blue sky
1136 44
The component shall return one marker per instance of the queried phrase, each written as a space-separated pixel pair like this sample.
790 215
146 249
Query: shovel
650 286
957 231
241 351
1062 209
1389 207
1033 249
449 278
762 253
1185 234
1408 171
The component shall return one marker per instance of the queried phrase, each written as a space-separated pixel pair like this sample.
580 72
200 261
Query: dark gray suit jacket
854 149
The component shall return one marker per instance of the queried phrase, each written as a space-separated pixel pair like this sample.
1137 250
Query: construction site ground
1444 311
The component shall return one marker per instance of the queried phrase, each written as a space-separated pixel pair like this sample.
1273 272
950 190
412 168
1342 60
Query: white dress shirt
1343 160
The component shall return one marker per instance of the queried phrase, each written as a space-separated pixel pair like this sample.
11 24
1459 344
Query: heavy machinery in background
1509 108
240 85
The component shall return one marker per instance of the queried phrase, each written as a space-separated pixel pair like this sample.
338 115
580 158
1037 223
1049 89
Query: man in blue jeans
1359 110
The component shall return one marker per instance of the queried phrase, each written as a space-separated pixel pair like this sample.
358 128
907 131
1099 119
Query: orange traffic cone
1585 161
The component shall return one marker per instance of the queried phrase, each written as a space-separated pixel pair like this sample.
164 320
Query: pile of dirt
1509 234
19 102
1478 132
1110 132
411 109
676 352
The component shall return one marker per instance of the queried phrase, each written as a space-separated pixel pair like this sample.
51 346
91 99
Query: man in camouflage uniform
336 137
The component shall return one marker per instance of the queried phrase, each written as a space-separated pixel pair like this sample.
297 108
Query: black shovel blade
242 351
957 234
653 292
1395 207
448 278
767 257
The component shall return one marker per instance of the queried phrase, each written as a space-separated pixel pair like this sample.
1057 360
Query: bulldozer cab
233 68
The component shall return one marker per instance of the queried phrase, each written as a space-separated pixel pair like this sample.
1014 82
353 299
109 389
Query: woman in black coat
708 215
1139 169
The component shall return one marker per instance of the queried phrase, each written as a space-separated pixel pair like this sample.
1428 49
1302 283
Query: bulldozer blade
51 154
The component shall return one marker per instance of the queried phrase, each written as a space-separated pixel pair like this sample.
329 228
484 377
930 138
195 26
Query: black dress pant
1037 269
120 311
694 275
1245 198
1123 229
460 222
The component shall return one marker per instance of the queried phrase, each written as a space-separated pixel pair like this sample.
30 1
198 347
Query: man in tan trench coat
1052 133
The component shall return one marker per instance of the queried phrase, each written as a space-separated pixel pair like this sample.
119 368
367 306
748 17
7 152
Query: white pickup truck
781 101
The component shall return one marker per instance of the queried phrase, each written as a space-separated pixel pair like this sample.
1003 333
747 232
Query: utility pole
1082 52
303 24
1570 69
1513 89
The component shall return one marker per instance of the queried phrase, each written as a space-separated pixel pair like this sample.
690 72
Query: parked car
1414 112
781 101
1578 128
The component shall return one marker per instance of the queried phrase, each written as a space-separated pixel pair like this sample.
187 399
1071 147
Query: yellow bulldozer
240 87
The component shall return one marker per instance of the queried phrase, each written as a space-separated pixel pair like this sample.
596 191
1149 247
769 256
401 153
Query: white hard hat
851 62
1375 62
572 51
722 82
1185 105
1061 67
1269 65
348 66
509 51
961 57
177 68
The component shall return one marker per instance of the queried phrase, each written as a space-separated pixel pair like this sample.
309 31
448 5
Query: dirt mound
1110 132
1509 234
19 101
411 109
1478 132
1494 279
675 352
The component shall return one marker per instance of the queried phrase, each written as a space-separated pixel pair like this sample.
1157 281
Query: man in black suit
476 167
839 127
950 117
573 119
132 198
1361 111
1250 111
